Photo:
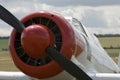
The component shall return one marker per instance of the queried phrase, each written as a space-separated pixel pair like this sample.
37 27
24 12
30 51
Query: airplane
47 46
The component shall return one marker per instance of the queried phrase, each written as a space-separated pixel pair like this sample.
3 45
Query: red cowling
43 29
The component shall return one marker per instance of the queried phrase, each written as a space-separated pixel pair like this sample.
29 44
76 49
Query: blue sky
99 16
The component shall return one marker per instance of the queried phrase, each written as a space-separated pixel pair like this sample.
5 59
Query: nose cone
35 39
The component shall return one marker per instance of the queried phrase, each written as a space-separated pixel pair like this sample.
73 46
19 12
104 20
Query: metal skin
42 40
13 76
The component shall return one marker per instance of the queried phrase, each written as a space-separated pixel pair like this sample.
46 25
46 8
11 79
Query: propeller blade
66 64
7 17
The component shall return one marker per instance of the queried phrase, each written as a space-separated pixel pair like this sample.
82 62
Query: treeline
97 35
107 35
4 37
112 47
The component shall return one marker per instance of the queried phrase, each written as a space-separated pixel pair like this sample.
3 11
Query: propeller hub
35 39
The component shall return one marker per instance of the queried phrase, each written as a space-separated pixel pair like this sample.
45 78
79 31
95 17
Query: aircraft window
78 25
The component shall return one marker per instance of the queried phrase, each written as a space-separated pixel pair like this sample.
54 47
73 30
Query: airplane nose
35 39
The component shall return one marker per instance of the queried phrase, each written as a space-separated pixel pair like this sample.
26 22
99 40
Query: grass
6 62
110 41
112 45
3 43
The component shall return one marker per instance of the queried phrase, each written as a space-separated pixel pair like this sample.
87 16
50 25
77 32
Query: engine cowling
43 29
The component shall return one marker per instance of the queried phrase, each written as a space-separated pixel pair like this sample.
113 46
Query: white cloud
5 29
105 30
97 18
